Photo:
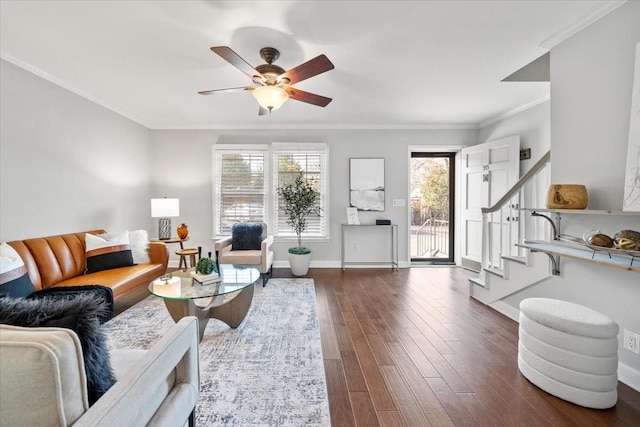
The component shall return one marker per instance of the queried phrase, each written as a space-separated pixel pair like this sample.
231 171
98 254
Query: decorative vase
183 231
567 196
299 263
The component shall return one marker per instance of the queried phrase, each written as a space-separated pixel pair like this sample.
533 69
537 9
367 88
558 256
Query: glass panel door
431 231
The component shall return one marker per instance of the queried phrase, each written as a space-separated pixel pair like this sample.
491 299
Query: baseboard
629 376
338 264
504 308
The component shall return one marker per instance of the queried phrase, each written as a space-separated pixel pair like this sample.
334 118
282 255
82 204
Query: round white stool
569 351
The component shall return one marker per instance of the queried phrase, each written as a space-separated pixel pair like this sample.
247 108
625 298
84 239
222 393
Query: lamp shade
165 208
270 97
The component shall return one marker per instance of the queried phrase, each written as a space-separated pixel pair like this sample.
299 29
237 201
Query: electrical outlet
631 341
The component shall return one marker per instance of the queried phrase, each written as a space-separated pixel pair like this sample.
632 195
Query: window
288 162
244 190
239 186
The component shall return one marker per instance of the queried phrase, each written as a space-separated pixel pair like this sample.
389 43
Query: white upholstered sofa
43 382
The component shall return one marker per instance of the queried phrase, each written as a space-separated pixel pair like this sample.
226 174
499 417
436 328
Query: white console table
393 228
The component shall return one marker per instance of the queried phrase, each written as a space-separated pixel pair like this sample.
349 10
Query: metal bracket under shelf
555 262
556 234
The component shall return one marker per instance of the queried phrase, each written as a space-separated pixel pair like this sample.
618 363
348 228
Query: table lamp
165 209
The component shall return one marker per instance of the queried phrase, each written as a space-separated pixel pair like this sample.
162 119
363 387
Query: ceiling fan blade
234 59
313 67
228 90
263 111
309 98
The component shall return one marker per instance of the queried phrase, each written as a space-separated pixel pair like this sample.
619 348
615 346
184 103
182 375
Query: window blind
288 162
239 188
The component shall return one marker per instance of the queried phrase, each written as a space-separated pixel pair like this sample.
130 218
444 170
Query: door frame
436 149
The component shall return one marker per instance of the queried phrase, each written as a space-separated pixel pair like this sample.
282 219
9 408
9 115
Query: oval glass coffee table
228 300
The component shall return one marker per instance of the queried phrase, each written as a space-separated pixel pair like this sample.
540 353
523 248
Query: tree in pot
299 201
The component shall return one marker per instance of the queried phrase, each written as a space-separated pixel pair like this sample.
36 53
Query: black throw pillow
247 236
80 314
104 293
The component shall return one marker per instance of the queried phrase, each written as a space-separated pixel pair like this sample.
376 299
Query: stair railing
499 235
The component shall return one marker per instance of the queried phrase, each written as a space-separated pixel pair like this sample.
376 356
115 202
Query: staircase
507 269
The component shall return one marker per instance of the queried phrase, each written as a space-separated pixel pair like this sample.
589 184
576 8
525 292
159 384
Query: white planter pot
299 264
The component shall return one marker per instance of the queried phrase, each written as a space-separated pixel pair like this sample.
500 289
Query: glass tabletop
182 286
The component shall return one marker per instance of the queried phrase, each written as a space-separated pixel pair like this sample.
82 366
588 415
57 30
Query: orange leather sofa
56 261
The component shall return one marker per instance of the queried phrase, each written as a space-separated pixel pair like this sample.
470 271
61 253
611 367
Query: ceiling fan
272 84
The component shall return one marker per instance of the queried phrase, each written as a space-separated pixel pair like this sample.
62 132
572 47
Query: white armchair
249 245
44 383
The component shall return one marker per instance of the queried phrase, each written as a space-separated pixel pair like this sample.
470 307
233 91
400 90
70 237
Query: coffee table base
232 311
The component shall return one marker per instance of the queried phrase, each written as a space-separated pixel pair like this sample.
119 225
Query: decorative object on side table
165 209
183 231
167 286
299 201
206 273
567 196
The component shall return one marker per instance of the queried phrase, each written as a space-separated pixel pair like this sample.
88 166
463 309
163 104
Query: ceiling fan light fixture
270 97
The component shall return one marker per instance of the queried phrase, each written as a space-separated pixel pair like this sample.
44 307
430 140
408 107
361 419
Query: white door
488 171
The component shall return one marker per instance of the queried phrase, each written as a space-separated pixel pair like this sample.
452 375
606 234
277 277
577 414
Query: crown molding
589 19
513 112
56 81
323 126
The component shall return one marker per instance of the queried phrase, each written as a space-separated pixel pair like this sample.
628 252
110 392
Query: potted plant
299 200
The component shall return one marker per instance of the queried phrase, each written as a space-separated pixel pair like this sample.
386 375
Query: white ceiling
398 64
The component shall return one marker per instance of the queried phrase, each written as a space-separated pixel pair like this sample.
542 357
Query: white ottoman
569 351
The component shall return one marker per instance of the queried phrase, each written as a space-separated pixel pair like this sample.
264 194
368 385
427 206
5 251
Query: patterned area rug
267 372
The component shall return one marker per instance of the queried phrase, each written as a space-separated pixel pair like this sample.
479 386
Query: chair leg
266 276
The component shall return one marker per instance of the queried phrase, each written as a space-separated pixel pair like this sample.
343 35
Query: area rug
267 372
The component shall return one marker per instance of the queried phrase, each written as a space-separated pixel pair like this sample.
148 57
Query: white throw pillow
139 241
102 254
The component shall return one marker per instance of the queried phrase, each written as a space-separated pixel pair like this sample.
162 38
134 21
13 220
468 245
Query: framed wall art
631 201
366 184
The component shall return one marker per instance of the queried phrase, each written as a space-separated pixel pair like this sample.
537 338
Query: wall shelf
575 249
583 211
584 253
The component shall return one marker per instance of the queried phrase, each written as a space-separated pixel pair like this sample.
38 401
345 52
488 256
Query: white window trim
301 147
270 151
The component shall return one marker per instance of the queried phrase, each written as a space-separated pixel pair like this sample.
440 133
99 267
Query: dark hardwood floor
410 348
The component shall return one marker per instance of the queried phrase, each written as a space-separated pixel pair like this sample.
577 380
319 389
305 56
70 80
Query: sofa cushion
80 314
121 280
247 236
241 257
14 279
105 254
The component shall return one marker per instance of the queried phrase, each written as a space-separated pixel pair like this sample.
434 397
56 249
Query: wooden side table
173 240
184 253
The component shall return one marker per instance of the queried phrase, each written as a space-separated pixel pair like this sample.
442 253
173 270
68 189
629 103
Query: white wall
533 127
591 83
182 169
67 164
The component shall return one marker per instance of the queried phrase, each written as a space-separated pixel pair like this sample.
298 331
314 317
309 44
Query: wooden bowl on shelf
567 196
